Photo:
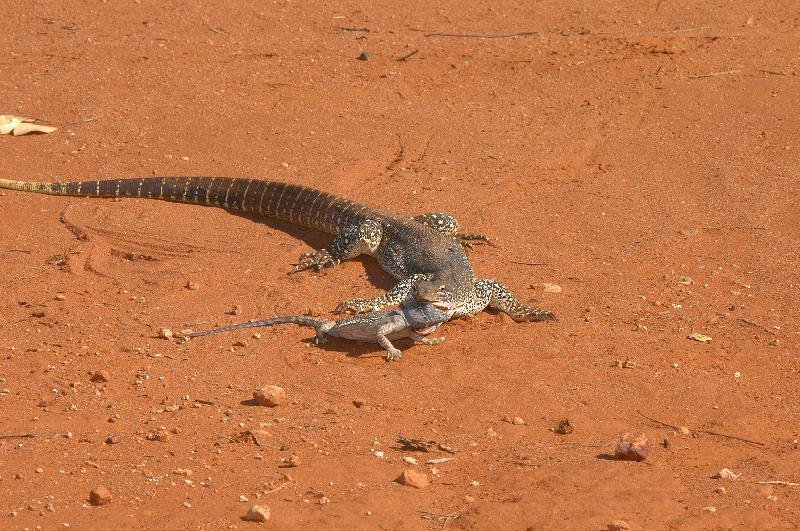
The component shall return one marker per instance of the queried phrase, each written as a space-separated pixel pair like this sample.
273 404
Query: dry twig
709 432
776 482
476 35
407 56
734 437
753 323
651 419
713 74
18 436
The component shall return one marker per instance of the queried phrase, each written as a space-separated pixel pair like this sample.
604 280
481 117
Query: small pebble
113 439
359 403
710 509
564 427
517 421
294 460
270 396
192 285
618 525
410 460
100 496
101 376
721 490
364 56
243 498
256 513
187 505
159 435
683 430
165 333
726 473
632 449
60 297
412 478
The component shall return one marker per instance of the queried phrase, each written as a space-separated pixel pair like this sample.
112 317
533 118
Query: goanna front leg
447 224
495 295
349 243
394 296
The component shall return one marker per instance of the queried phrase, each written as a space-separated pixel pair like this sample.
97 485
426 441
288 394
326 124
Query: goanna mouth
427 330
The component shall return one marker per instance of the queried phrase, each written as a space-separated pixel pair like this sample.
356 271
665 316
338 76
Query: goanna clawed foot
316 260
434 340
468 240
528 315
357 306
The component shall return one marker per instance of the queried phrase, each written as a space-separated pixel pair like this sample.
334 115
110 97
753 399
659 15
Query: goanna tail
296 204
302 320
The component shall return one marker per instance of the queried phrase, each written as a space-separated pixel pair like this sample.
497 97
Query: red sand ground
642 156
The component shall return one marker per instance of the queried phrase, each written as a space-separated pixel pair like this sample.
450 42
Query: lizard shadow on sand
317 240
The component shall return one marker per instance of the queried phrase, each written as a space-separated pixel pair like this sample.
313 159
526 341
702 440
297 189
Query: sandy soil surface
640 156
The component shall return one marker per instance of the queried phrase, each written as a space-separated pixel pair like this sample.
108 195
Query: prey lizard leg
393 353
495 295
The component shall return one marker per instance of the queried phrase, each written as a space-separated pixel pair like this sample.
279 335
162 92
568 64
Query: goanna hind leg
499 297
447 224
351 242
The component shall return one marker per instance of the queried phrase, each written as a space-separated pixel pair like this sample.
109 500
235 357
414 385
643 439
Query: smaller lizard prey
415 318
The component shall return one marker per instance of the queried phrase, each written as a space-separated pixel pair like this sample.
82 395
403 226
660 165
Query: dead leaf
702 338
21 126
25 128
8 123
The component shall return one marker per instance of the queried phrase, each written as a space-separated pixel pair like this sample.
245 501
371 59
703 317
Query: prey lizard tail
301 320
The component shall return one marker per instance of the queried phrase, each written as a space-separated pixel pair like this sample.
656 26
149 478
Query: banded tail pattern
289 202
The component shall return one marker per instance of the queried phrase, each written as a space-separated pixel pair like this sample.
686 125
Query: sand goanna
415 250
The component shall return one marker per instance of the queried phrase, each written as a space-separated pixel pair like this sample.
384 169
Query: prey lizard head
430 305
437 295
